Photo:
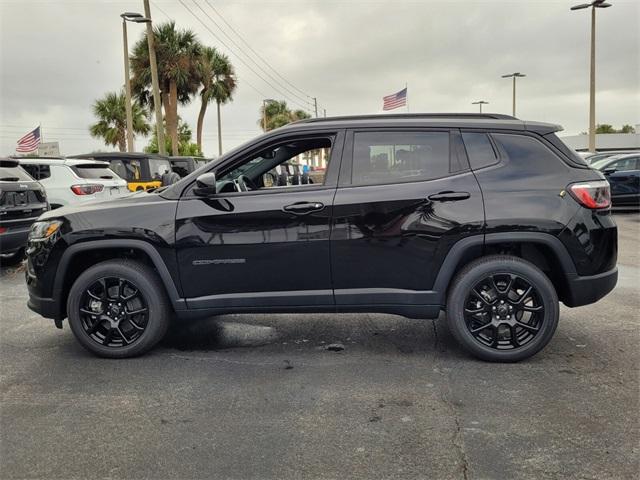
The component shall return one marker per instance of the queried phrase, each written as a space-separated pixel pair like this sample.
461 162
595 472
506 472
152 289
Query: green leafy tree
627 129
605 128
111 126
218 80
278 114
177 52
185 145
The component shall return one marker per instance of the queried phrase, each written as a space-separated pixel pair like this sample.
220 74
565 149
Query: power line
257 90
305 98
305 107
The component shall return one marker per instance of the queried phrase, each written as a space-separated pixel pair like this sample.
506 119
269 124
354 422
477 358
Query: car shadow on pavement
331 332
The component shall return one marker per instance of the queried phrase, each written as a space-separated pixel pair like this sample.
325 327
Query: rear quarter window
37 171
529 155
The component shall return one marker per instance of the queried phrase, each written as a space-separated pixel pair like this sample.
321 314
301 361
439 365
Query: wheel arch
543 249
81 256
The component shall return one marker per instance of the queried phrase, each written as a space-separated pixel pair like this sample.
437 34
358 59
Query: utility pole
480 102
127 86
592 71
514 76
154 80
315 105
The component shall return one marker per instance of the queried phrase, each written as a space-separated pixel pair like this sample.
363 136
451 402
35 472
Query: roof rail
492 116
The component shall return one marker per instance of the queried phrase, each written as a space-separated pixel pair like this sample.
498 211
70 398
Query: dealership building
606 141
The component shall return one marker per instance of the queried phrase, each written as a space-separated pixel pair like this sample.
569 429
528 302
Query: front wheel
502 308
118 309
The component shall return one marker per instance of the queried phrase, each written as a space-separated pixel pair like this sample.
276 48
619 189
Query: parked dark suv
490 218
22 201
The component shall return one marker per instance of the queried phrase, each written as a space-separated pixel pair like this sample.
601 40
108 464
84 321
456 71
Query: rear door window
479 150
158 167
397 157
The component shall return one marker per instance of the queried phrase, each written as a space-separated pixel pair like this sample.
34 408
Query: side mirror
609 171
206 184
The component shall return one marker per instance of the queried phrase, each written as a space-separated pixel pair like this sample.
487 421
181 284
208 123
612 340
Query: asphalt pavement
262 397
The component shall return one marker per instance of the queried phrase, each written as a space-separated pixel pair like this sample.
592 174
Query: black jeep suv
488 217
22 201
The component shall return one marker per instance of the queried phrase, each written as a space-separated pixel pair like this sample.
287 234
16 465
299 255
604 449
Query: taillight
596 194
87 188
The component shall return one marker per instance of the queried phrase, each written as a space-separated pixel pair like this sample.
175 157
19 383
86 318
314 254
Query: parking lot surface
261 396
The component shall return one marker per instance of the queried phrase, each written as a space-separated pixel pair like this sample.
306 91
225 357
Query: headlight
43 230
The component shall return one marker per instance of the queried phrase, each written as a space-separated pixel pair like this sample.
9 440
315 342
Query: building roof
605 141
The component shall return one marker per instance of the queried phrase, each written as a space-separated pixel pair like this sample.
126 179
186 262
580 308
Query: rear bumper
583 290
14 239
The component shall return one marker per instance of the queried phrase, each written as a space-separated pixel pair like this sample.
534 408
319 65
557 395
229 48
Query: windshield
598 164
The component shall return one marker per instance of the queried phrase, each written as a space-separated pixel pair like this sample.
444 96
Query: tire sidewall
469 278
157 315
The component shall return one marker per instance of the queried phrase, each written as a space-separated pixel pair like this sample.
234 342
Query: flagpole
406 86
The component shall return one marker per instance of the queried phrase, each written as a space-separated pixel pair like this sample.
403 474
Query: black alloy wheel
114 312
504 311
502 308
118 308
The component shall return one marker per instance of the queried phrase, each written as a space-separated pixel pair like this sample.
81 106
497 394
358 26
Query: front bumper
584 290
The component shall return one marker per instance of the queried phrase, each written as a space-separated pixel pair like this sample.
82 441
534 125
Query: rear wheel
118 309
502 308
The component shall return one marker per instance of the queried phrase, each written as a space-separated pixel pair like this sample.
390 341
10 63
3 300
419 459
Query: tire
105 296
12 259
484 304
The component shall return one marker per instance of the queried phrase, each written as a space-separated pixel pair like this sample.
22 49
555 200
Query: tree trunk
172 117
122 144
219 129
203 109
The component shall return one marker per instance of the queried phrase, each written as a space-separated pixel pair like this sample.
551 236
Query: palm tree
218 80
277 114
112 120
177 53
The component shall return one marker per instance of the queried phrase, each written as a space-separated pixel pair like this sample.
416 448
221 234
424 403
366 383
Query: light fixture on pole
514 75
264 112
592 77
480 102
137 18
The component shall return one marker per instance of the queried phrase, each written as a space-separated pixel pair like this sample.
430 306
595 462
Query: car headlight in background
43 230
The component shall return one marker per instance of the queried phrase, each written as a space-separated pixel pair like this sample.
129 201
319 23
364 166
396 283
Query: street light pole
592 70
514 75
264 112
154 80
127 86
480 102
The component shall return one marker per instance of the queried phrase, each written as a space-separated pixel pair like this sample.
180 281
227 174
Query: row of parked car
622 170
29 186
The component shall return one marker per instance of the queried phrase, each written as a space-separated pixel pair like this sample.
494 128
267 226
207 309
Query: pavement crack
457 441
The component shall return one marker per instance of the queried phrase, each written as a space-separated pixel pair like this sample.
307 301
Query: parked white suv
69 181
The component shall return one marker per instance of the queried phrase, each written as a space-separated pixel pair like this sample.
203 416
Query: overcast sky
58 56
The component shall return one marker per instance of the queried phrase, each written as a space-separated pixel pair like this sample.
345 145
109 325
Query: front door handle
449 196
302 208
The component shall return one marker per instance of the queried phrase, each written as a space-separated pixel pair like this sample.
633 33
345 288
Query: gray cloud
58 56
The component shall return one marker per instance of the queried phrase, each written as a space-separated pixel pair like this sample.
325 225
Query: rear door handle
449 196
302 208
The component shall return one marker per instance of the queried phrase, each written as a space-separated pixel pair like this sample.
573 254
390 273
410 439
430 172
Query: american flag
29 142
395 100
